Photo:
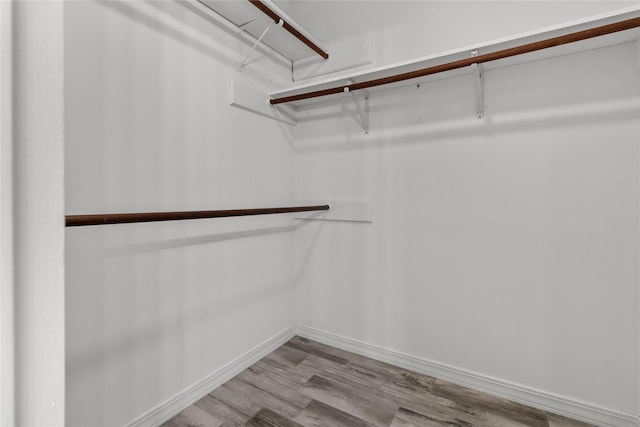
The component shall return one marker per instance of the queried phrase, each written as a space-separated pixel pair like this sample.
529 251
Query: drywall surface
38 209
154 308
507 247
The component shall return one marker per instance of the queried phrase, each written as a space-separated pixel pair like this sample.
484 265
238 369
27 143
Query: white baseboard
180 401
536 398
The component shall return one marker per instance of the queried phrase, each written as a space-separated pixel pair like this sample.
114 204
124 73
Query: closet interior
450 188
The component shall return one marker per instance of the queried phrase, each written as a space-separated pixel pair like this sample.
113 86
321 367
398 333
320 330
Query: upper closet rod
287 26
125 218
493 56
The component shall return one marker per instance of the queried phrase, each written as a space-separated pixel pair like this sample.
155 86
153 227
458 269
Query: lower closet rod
125 218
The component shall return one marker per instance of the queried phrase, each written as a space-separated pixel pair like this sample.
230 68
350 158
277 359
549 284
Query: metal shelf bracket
257 42
363 111
479 85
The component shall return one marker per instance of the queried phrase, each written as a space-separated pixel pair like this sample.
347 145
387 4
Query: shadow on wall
176 20
195 10
160 17
137 302
566 116
307 251
106 350
579 89
160 245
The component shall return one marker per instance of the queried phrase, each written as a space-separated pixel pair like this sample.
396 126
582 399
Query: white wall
36 200
154 308
506 247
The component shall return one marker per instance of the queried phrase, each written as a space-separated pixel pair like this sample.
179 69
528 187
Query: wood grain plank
402 377
336 371
192 417
501 419
355 401
268 418
440 407
249 399
319 350
299 376
280 386
501 411
407 418
318 414
223 413
286 357
560 421
408 384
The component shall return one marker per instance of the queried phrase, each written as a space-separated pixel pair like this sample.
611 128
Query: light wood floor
305 383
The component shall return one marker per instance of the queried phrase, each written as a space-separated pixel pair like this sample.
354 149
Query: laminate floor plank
408 387
357 402
278 385
224 414
286 357
399 375
192 417
439 408
249 399
505 412
304 383
332 370
407 418
318 414
269 418
560 421
500 419
296 375
319 350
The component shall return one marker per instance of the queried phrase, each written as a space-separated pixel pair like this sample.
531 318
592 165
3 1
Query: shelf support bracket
479 85
253 48
363 111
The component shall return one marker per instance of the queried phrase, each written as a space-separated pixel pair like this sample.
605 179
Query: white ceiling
333 20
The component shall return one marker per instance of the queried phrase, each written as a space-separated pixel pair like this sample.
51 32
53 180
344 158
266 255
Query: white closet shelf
312 93
256 17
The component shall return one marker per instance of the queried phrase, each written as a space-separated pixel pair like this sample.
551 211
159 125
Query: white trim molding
7 327
37 193
195 392
536 398
528 396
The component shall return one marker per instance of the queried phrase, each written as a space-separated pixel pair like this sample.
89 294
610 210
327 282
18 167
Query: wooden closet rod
297 34
125 218
493 56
